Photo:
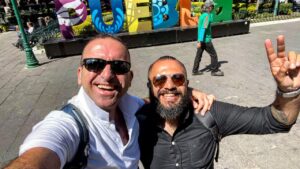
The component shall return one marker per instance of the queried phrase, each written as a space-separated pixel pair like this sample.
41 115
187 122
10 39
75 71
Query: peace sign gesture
285 69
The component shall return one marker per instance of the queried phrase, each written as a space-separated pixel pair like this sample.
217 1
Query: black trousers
209 48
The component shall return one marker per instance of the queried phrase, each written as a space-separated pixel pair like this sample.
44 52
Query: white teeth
107 87
169 95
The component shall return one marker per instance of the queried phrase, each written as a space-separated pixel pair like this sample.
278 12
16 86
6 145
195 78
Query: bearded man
172 136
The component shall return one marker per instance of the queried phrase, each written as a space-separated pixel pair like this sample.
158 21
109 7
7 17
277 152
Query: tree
257 5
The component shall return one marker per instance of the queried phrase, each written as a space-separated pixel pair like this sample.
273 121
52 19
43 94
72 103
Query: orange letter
185 14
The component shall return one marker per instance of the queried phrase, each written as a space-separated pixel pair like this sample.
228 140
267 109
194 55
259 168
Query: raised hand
284 67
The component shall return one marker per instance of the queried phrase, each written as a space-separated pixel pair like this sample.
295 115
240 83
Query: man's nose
107 73
169 84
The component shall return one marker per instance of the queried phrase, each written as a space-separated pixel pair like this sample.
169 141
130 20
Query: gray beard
174 111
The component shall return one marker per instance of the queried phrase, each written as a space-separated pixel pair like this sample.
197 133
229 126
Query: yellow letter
138 15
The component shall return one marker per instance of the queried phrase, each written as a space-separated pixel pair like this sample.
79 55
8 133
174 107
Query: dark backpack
209 122
79 161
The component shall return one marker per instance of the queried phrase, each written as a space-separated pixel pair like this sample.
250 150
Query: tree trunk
257 5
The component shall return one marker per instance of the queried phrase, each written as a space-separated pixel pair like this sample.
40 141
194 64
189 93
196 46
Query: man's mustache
175 92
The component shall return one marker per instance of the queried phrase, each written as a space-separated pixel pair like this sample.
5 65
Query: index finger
270 50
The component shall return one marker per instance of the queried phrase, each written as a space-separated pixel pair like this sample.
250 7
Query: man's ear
79 70
149 84
130 77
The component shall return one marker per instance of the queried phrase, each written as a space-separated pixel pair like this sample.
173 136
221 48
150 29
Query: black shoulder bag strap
209 122
79 161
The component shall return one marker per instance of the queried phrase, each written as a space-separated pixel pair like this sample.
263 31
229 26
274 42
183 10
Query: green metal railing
44 33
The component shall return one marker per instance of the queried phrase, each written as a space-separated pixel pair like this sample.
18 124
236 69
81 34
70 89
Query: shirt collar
128 105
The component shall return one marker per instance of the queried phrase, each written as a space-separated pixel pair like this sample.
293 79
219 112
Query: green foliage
241 5
264 15
107 17
242 13
252 5
285 9
85 28
251 10
3 27
196 8
267 5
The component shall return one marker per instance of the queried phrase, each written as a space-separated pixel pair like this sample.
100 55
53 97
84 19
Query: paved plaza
27 95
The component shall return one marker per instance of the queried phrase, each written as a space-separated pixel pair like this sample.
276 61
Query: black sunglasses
160 80
97 65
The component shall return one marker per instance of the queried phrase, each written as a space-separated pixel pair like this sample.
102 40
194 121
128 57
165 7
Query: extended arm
36 158
286 72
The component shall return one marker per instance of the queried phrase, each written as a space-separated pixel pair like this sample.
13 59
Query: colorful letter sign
164 14
223 10
63 8
138 15
185 14
118 14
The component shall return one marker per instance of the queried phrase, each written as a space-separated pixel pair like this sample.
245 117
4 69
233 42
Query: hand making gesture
284 67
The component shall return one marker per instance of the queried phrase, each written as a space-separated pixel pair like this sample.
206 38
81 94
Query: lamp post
276 8
31 60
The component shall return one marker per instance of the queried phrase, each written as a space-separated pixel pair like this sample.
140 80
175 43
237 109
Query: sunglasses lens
159 80
94 65
178 79
97 65
120 67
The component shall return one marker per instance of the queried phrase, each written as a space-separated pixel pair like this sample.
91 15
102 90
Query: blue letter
164 14
118 14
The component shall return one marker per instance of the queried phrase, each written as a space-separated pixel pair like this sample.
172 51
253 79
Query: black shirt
192 145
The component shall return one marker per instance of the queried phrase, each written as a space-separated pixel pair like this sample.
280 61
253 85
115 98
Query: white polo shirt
59 132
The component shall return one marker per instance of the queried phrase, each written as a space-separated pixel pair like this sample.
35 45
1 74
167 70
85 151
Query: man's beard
173 111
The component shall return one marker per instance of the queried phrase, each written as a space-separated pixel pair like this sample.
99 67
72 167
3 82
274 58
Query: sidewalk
27 95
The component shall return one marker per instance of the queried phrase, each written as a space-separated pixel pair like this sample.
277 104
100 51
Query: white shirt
59 132
30 30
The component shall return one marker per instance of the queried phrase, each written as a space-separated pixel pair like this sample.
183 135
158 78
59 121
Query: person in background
19 42
204 41
30 27
47 19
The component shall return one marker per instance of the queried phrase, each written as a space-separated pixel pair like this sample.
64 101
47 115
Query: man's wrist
279 115
288 94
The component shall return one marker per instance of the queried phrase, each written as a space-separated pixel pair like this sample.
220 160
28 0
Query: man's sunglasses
97 65
160 80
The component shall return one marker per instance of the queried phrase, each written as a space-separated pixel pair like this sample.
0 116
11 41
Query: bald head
100 38
171 58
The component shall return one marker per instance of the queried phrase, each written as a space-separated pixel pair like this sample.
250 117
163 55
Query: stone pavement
27 95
